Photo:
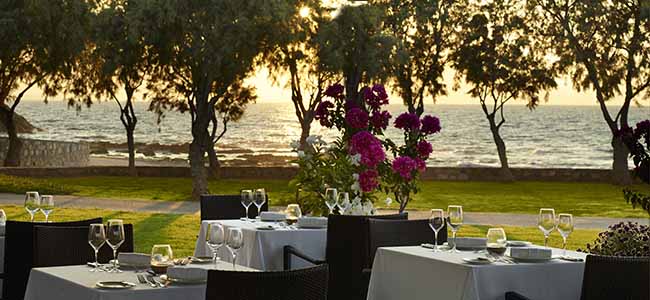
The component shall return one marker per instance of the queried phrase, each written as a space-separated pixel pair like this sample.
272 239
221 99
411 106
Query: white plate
531 260
519 244
114 285
201 260
182 281
478 261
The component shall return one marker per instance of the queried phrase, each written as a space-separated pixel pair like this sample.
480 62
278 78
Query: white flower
388 201
301 154
355 176
295 145
313 139
368 209
355 187
355 159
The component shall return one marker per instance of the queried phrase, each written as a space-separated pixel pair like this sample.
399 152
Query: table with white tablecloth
263 249
418 273
77 283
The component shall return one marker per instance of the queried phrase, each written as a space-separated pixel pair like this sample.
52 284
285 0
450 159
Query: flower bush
622 239
638 141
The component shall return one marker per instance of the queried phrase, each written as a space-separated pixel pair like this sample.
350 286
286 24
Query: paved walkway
186 207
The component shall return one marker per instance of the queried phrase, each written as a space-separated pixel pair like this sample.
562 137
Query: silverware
156 282
143 279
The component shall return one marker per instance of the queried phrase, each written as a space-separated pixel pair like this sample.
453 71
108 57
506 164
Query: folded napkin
187 273
134 259
272 216
312 222
2 230
468 243
530 253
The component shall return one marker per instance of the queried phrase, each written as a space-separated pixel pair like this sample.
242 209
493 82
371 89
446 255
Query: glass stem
247 207
234 259
31 215
435 241
564 246
115 260
546 241
453 235
96 261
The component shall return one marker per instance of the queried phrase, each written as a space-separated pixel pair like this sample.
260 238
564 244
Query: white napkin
468 243
134 259
272 216
312 222
530 253
187 273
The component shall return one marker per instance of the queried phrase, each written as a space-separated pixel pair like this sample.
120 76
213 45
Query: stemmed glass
565 227
436 222
496 242
162 257
32 203
47 205
343 203
246 200
235 242
331 199
96 239
215 237
293 213
259 200
3 217
454 220
115 238
546 222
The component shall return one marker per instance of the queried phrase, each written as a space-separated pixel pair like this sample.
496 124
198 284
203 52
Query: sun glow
305 12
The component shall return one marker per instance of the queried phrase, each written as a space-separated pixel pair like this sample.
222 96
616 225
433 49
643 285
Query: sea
547 137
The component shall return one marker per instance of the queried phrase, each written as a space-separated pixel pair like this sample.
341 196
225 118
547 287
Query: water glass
47 206
32 203
344 202
259 200
234 243
436 222
246 200
293 213
96 239
115 239
546 222
331 199
3 218
454 221
565 227
496 242
162 257
215 237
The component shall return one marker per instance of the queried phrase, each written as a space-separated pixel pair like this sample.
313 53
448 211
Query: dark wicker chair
19 255
303 284
227 207
72 246
346 254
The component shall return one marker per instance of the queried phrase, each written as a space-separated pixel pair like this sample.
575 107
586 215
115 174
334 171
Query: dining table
417 272
264 243
78 283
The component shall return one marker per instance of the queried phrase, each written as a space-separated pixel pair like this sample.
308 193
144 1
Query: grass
581 199
180 230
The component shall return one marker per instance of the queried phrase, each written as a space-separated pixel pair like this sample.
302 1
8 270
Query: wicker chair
72 246
227 207
303 284
19 255
346 254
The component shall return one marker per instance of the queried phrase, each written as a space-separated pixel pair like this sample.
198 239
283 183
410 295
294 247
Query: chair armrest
290 250
2 276
515 296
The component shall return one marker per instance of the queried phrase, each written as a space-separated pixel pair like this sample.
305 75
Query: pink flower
422 166
369 147
404 166
334 91
322 113
375 97
368 180
380 119
357 118
424 149
407 121
430 125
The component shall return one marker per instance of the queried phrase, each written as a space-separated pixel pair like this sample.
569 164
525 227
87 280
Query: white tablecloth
263 249
77 283
418 273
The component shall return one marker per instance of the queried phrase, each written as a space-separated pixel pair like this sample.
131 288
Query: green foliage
622 239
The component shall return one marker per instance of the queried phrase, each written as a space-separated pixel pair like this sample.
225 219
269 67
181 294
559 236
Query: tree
115 60
605 47
40 41
502 61
203 51
423 29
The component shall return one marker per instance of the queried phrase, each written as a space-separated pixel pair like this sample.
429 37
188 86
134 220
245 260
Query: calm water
551 136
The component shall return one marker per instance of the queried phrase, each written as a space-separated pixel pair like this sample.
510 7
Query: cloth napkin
312 222
531 253
272 216
134 259
187 273
468 242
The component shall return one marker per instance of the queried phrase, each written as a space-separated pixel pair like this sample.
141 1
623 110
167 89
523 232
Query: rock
22 125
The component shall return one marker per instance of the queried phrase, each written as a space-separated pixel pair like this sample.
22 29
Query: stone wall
40 153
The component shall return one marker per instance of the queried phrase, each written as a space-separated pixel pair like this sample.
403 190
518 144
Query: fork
155 282
144 280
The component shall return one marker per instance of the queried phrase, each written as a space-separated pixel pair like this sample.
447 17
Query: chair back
347 253
227 207
621 278
19 253
301 284
393 233
68 246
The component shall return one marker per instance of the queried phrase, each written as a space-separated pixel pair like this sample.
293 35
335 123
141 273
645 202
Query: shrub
622 239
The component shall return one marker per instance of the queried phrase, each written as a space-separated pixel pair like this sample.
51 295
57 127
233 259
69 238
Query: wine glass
115 238
259 200
454 220
343 203
96 239
246 200
436 222
47 205
162 257
565 227
546 222
3 218
32 203
293 213
235 242
331 199
215 237
496 242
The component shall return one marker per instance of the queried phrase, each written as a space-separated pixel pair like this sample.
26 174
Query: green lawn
180 230
582 199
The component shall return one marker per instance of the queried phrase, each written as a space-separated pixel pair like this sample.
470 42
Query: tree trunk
214 161
501 149
620 170
305 128
197 169
15 144
130 142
